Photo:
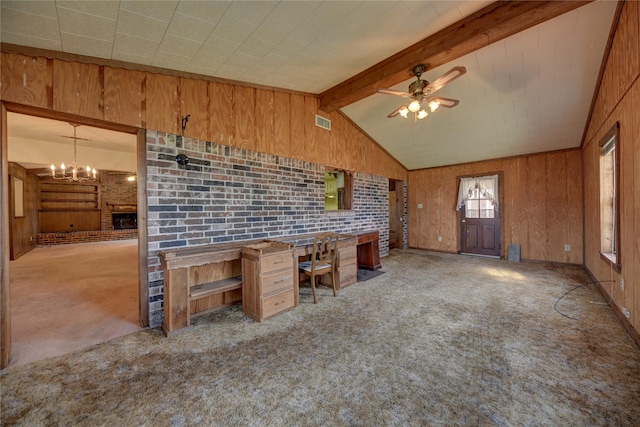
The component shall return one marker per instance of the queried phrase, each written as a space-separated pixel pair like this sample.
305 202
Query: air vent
323 123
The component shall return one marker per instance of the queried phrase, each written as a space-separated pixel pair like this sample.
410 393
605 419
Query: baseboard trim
633 333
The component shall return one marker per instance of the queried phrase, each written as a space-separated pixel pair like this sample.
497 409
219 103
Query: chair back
324 248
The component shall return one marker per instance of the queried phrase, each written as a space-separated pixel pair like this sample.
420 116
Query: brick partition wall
47 239
232 194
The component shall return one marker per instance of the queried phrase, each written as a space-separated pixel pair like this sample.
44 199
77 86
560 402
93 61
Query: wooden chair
323 261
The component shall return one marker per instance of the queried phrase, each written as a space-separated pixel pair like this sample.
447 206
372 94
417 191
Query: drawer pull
278 262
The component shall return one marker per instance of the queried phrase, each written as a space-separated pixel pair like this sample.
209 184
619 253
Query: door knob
464 220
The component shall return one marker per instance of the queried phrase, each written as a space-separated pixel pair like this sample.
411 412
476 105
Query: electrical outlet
567 248
419 205
439 238
622 284
626 312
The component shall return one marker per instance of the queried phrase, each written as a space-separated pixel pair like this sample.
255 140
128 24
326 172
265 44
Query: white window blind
487 186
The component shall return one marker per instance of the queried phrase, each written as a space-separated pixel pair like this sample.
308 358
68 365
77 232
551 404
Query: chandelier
75 175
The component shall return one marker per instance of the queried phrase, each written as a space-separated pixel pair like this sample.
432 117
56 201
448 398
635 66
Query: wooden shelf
216 287
69 200
70 191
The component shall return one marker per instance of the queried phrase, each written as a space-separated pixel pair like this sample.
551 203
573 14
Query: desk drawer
276 262
276 282
347 256
277 303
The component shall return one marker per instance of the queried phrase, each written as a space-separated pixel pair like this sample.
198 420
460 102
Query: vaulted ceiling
531 67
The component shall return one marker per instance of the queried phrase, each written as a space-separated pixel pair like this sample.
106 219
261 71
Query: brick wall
232 194
85 237
115 189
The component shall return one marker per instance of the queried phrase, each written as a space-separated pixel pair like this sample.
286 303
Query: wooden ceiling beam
482 28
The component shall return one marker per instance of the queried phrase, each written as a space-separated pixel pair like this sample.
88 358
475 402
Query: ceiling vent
323 123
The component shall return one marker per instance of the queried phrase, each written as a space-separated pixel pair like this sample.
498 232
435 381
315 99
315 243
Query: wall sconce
182 159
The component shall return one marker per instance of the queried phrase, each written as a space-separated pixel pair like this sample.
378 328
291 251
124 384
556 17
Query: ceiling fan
420 91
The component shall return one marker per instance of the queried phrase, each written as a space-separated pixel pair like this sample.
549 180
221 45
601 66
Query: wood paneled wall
618 100
23 229
259 119
540 205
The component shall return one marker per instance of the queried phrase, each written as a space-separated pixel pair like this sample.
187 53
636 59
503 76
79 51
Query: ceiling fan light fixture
433 105
404 112
414 106
422 114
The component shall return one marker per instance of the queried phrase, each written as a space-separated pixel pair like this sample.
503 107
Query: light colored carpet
437 340
69 297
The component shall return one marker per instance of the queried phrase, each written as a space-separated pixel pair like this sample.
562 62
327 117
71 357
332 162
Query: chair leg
313 288
333 282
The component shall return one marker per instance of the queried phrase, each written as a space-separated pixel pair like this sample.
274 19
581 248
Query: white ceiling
528 93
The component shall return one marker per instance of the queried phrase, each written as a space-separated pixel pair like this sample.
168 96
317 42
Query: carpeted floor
437 340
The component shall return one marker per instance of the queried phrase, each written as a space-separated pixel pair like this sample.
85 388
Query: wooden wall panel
298 146
244 109
282 123
265 127
130 109
222 113
77 88
574 207
163 103
25 80
615 103
310 134
221 123
194 101
538 247
556 206
526 195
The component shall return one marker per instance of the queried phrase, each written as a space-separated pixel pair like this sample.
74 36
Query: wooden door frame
143 276
500 207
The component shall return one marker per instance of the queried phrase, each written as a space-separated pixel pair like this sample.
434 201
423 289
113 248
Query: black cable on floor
555 306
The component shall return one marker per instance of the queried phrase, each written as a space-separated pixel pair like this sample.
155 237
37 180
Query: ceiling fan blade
444 102
444 79
397 111
394 92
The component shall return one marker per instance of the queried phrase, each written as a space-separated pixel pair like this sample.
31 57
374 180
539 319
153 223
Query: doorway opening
93 291
479 216
396 214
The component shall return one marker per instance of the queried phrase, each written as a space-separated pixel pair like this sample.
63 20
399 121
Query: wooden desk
346 264
200 279
369 250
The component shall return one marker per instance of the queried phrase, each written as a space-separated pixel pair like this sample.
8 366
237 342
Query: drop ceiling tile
189 28
219 46
141 27
161 10
231 28
38 8
241 60
39 27
209 11
250 12
103 9
358 19
272 31
86 46
292 12
23 40
129 45
329 13
208 61
85 25
170 61
256 47
174 45
306 34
